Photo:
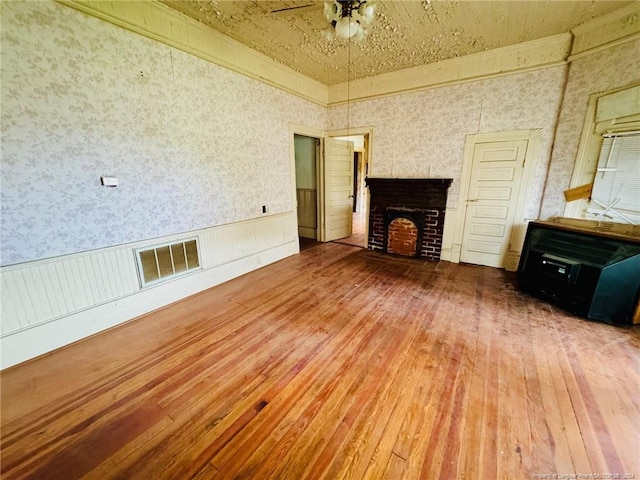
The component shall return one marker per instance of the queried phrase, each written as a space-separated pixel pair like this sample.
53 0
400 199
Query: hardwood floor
337 363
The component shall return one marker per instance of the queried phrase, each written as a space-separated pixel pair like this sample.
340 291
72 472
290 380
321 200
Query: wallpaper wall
422 134
193 145
601 71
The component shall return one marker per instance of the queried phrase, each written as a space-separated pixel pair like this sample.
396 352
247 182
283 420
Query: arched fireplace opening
402 237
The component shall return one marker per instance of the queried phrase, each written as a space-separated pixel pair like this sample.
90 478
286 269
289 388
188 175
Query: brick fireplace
406 215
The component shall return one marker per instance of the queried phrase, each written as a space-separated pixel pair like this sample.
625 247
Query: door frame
518 232
295 129
368 133
318 134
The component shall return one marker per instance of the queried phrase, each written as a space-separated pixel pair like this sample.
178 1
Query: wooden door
496 173
338 189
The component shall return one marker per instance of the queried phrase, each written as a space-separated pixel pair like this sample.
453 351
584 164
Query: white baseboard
451 254
511 261
46 337
445 254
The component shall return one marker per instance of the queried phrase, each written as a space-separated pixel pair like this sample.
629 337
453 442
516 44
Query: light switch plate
109 181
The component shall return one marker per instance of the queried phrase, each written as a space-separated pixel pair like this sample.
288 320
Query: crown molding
158 22
612 29
606 46
536 54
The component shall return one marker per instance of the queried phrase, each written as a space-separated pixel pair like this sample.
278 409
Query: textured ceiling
404 33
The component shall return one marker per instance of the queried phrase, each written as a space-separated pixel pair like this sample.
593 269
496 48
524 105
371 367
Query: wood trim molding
314 133
449 250
586 155
32 342
616 27
158 22
367 131
589 150
606 46
542 53
44 314
520 219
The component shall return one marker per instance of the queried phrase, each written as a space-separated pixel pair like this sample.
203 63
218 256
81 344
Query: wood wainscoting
335 363
307 201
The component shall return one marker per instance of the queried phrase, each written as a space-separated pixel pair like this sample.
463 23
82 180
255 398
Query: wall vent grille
163 262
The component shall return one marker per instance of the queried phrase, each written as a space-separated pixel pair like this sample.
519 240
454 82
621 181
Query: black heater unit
591 274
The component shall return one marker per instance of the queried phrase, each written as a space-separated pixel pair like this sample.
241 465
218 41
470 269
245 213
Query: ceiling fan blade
298 10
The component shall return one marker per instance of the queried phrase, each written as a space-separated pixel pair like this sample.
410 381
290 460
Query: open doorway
307 155
328 172
359 229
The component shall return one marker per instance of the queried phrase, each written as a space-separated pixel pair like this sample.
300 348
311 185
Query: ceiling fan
347 18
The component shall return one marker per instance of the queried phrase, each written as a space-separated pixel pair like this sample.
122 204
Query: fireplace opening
402 237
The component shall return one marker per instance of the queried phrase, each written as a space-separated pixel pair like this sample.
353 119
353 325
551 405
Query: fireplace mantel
421 191
415 181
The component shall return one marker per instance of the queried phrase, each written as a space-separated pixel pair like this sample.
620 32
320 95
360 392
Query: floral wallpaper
193 145
614 67
422 134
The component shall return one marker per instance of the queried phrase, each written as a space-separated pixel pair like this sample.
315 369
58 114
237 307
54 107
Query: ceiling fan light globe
328 33
367 10
361 34
347 27
332 11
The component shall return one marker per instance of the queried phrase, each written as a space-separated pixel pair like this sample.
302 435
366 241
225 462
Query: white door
494 187
338 189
